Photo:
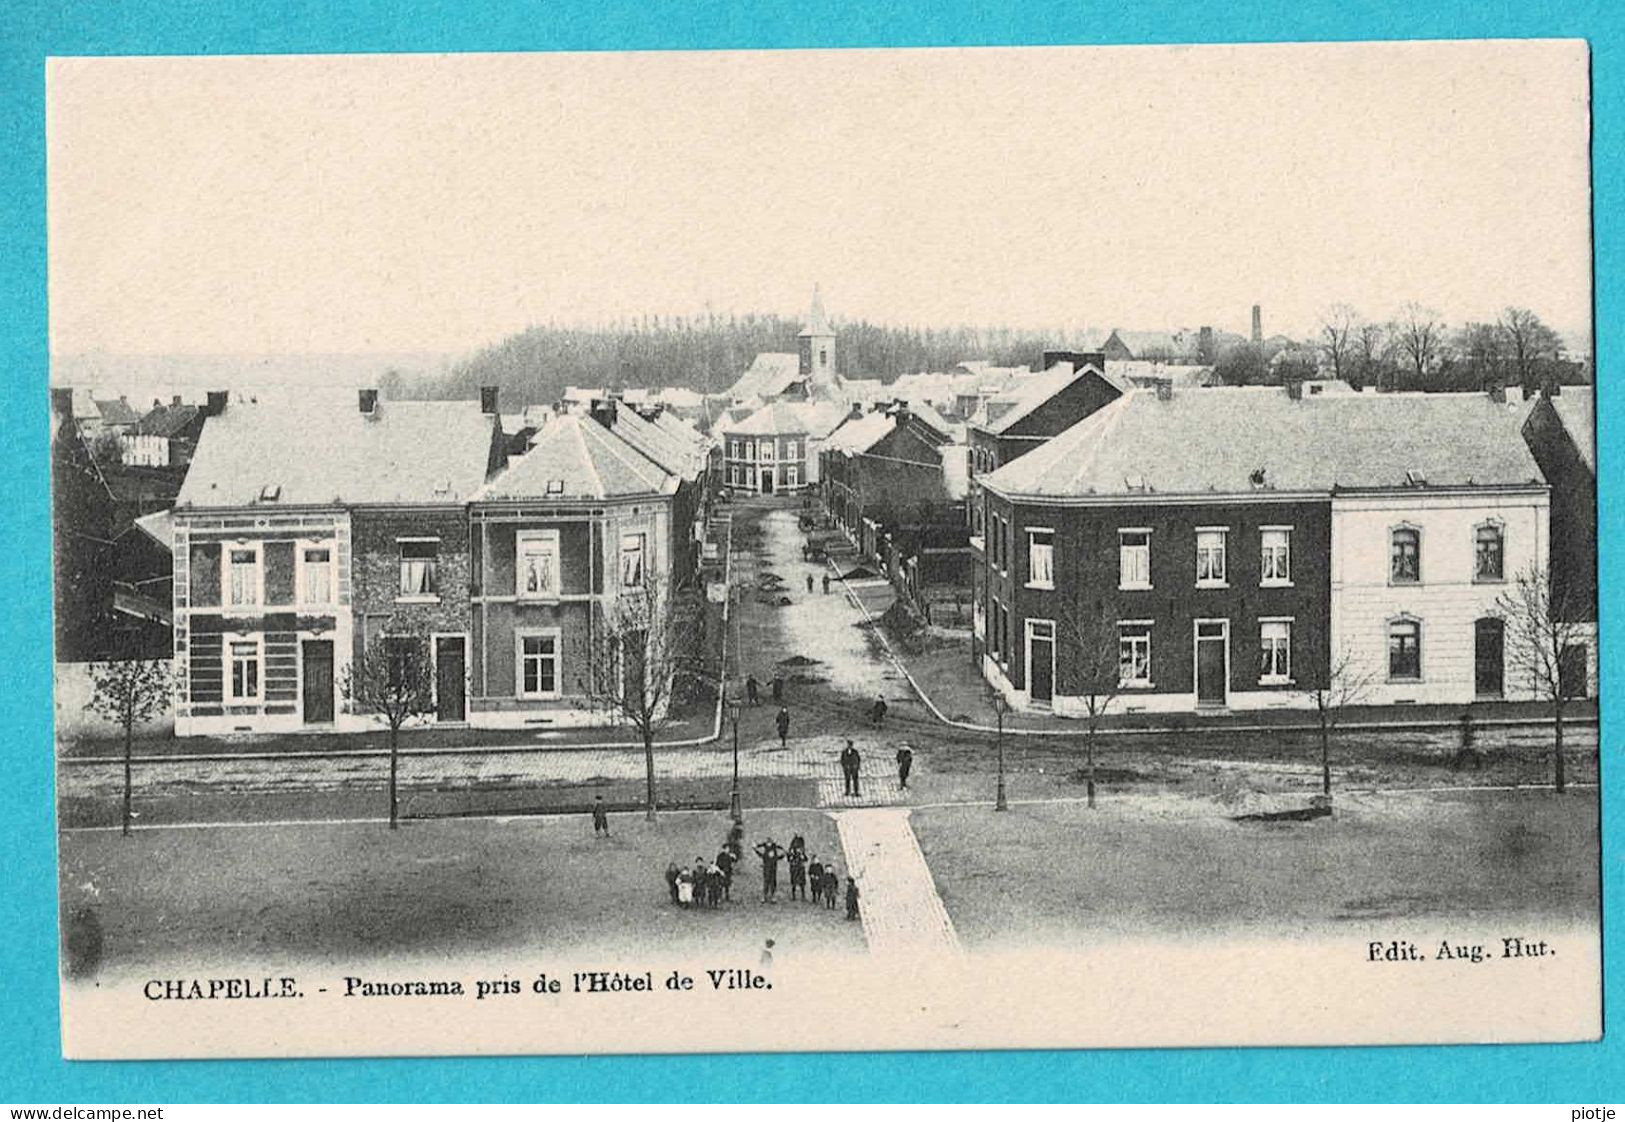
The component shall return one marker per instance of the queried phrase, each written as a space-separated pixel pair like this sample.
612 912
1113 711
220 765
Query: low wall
73 720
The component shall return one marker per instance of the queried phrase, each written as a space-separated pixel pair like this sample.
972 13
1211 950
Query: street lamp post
999 707
734 810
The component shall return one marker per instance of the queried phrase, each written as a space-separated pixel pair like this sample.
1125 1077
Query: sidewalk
903 917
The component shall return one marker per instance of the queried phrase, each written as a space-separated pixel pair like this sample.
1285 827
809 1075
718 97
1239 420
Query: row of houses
308 537
1238 548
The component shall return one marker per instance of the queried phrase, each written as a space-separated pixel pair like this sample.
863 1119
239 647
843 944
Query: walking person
877 711
782 723
851 897
752 690
771 854
600 818
905 764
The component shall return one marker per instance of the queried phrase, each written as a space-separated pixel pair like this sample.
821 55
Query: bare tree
392 676
129 692
1099 671
1529 343
641 647
1542 632
1420 338
1344 684
1338 336
1370 351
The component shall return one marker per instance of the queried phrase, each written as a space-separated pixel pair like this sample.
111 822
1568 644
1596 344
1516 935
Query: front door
1489 657
767 481
317 658
450 701
1041 660
1212 657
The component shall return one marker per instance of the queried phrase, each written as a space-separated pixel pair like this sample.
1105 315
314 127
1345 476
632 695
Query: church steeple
817 345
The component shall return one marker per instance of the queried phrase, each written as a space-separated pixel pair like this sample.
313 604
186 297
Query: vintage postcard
884 549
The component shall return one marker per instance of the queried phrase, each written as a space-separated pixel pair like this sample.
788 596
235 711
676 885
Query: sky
287 205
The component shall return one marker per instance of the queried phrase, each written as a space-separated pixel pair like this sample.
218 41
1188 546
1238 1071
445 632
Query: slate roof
1211 441
768 375
116 411
1030 393
789 418
323 455
857 435
575 457
165 420
1575 407
683 458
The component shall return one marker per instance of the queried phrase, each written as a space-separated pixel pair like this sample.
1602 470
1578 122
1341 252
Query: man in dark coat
752 690
826 584
851 762
905 763
809 580
877 711
778 687
771 854
798 872
725 862
851 898
672 873
782 721
815 878
832 885
600 818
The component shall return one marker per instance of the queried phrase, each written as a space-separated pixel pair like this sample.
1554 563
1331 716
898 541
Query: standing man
600 818
725 864
798 872
809 579
846 769
752 690
771 854
857 765
905 763
782 721
826 584
851 897
815 878
778 687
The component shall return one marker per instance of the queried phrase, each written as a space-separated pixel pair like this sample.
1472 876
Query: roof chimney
175 400
215 403
488 399
603 411
1165 389
368 400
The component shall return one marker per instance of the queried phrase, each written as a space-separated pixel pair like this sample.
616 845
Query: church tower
817 342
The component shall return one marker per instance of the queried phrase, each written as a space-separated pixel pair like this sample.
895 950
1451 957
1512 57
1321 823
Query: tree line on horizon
1412 350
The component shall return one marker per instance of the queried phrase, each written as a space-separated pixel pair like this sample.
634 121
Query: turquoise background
33 1071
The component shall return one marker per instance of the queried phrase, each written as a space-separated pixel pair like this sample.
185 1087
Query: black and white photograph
824 549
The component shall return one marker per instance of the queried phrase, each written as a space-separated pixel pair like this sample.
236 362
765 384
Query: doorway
450 688
1041 661
317 660
1212 663
1489 658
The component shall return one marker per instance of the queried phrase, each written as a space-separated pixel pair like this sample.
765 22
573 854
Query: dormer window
270 493
555 486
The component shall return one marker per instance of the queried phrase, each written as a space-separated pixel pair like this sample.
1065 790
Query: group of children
707 883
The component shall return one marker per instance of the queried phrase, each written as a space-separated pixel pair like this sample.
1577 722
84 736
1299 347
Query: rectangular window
631 560
420 567
1134 655
242 577
245 670
537 567
1275 556
539 665
1210 560
792 476
767 451
1405 565
1488 553
1134 558
1041 558
1275 651
792 450
316 576
1405 650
